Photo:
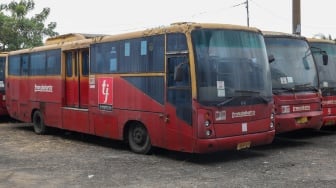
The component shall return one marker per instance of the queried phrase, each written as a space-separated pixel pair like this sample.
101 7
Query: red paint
298 104
329 110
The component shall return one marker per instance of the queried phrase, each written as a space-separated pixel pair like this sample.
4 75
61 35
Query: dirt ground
64 159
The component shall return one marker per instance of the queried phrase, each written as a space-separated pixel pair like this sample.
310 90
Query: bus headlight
207 123
208 132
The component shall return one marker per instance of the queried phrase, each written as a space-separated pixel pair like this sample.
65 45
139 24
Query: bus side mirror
305 63
325 59
178 72
271 58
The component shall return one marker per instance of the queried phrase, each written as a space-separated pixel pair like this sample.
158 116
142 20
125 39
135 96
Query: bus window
24 64
68 62
85 63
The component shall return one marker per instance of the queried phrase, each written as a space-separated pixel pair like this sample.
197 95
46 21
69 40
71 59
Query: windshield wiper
303 85
306 86
282 90
264 99
247 91
226 101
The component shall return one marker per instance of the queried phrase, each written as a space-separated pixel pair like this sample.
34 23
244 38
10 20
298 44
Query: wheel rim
139 136
38 121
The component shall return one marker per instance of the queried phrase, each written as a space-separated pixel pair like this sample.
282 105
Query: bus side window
68 62
113 59
182 64
85 63
24 64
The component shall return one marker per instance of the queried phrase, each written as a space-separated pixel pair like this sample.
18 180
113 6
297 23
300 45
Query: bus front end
233 106
3 108
296 93
327 77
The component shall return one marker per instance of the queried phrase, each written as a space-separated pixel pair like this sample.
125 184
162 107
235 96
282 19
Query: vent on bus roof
70 37
182 23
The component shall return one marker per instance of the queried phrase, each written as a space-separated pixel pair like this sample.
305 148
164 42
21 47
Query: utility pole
296 17
247 13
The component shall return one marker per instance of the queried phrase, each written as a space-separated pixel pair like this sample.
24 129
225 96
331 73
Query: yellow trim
321 41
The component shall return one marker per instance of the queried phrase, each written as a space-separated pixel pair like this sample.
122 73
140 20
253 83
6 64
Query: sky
120 16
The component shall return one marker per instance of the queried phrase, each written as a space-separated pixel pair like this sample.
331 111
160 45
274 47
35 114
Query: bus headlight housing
207 123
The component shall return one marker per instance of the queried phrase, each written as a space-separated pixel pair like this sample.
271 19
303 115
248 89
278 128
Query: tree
17 31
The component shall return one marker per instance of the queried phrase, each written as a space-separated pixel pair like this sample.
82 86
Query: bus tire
138 139
38 122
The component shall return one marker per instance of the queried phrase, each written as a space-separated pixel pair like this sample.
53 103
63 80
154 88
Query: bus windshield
293 66
230 64
326 72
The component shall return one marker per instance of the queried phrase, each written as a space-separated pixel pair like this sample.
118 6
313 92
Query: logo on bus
243 114
43 88
301 108
105 95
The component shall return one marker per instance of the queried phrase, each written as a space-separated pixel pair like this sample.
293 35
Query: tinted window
134 55
37 65
14 65
53 62
68 63
85 63
176 42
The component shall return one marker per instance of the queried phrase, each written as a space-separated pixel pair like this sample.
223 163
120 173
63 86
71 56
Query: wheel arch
127 126
32 114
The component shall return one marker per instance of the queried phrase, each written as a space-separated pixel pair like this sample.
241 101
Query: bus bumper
234 142
295 121
329 121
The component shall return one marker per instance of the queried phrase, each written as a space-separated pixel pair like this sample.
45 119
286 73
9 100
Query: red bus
295 84
327 77
3 60
187 87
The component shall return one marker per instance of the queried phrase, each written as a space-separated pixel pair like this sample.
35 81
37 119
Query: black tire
138 139
38 121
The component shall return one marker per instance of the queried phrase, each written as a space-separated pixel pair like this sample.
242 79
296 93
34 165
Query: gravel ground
66 159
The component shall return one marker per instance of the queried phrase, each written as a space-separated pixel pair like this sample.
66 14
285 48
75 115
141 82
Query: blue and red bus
295 85
3 60
187 87
327 77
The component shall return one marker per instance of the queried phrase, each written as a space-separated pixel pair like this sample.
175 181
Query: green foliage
17 31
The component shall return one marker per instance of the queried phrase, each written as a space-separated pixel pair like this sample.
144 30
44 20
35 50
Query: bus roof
176 27
77 44
3 54
282 35
76 40
315 40
70 37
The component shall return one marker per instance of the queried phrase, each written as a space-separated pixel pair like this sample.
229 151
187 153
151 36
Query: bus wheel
138 139
38 122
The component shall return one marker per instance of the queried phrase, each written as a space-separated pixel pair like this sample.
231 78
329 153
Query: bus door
24 94
76 79
179 99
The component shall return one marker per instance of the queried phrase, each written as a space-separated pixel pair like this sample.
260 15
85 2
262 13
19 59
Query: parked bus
295 84
3 60
187 87
327 77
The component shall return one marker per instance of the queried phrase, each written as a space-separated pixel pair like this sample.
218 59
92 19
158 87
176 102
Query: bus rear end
3 60
327 77
233 106
295 85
